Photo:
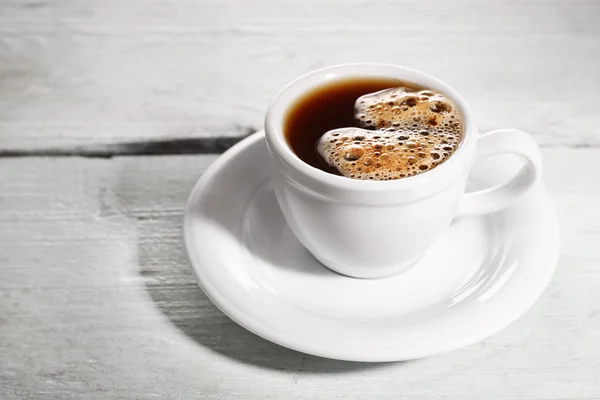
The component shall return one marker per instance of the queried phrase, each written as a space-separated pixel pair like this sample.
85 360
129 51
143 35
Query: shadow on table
210 328
187 307
170 283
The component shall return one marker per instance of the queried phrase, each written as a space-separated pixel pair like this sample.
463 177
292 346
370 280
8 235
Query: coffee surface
374 129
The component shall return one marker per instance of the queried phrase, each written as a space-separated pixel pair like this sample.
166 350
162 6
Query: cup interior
289 95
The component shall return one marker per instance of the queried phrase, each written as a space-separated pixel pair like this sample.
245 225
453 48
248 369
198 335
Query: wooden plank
120 72
97 300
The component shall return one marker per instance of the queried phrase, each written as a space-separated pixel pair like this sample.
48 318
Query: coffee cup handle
504 141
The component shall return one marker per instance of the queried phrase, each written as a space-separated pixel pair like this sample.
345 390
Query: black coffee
373 128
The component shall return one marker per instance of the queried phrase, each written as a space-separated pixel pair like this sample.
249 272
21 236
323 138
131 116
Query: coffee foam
405 108
415 132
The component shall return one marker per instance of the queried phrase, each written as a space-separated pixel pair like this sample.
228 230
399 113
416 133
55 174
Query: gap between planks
188 146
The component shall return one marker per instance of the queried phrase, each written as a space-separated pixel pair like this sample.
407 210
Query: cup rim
276 113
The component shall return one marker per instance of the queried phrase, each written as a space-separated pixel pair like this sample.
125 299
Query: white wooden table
111 110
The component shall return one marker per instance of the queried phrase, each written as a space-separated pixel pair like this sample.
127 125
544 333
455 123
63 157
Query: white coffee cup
371 229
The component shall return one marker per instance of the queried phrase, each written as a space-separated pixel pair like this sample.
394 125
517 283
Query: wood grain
79 73
97 300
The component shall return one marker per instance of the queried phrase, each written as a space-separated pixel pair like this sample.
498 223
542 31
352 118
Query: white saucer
479 277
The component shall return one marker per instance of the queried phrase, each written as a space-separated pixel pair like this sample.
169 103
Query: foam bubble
401 133
402 107
380 157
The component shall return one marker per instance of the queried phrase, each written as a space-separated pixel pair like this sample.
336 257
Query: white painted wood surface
95 72
97 300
